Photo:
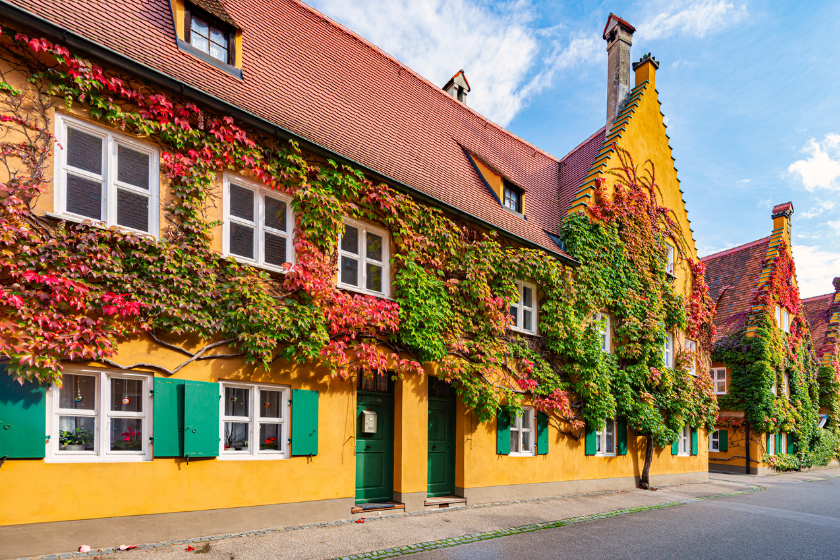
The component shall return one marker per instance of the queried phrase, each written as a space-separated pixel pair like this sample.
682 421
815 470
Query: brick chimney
619 37
781 220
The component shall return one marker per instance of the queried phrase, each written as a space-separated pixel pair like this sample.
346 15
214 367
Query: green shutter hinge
151 391
3 460
151 438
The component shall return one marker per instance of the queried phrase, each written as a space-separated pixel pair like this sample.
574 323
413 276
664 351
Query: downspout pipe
112 57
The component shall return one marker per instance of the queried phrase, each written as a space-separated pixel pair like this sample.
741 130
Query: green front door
375 451
441 447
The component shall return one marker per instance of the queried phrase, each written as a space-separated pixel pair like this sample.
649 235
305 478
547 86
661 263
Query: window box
258 224
100 415
104 176
254 421
523 313
363 261
522 434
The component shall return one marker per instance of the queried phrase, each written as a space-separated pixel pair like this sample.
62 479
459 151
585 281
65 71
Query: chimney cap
614 20
785 210
647 58
454 79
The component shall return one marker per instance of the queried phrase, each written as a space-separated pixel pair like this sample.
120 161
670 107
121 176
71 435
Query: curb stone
430 545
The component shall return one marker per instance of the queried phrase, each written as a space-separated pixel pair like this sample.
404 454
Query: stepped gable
732 277
315 78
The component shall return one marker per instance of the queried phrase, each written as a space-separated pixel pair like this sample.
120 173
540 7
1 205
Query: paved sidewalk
429 529
785 477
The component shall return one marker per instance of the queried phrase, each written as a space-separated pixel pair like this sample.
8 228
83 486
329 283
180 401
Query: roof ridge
735 249
814 298
579 146
422 79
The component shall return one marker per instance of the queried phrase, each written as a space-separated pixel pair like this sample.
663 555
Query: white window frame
111 141
684 449
670 267
691 347
717 375
363 259
779 317
601 448
261 192
787 384
783 450
516 426
771 448
785 320
605 331
254 421
714 441
102 419
520 308
668 350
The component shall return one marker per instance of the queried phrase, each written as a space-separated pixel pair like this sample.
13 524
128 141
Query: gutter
107 55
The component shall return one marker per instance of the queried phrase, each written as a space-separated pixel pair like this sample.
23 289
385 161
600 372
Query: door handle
367 446
434 447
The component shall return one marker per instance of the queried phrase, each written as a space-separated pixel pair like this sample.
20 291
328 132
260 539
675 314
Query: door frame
389 467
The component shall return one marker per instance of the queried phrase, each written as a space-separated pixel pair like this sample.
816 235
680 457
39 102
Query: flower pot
76 447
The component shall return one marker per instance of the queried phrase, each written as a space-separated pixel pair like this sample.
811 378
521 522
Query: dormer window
210 37
513 198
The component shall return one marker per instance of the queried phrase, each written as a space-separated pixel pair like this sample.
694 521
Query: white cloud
819 209
695 18
506 57
815 268
744 181
821 169
765 203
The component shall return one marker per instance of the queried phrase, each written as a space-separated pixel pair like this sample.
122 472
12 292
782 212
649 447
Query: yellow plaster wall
493 179
735 456
411 434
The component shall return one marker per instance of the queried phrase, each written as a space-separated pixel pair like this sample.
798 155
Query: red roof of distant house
312 76
818 312
732 277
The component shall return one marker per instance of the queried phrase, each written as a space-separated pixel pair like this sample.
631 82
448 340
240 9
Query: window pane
271 404
349 271
242 240
126 434
218 36
84 197
77 392
514 441
84 151
126 395
513 313
526 321
132 210
350 240
609 440
270 436
526 420
199 26
526 441
526 296
374 246
199 42
241 202
218 52
76 433
275 214
598 436
237 401
275 249
132 167
236 436
374 277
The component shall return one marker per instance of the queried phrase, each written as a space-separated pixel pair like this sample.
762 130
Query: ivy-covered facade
228 286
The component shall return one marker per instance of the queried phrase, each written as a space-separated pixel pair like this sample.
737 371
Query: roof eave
76 41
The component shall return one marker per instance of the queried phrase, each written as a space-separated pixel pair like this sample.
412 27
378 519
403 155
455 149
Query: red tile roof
732 276
818 312
312 76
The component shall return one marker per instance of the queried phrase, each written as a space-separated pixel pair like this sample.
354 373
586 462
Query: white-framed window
691 348
670 267
787 384
100 415
785 321
258 224
604 331
523 312
363 259
719 379
783 450
254 421
773 389
771 444
668 350
522 434
685 441
714 441
778 316
605 439
105 176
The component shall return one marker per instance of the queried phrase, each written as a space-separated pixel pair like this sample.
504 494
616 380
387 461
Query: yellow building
178 436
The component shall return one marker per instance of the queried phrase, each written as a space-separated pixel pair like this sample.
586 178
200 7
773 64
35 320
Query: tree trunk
645 482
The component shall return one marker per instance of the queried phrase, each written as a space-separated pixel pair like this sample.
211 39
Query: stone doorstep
444 502
391 507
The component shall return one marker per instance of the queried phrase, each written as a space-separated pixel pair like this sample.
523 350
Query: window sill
683 455
96 223
724 393
514 212
249 457
185 47
605 455
523 331
357 290
261 266
84 458
522 454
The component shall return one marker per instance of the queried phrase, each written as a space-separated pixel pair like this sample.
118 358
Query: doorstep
444 502
377 506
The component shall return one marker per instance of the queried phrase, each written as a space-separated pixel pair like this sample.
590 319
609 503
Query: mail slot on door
369 422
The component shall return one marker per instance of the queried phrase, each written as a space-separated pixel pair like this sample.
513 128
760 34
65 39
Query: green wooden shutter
779 449
201 419
304 422
542 434
169 417
767 449
590 445
23 418
675 447
790 444
694 442
723 440
621 436
502 433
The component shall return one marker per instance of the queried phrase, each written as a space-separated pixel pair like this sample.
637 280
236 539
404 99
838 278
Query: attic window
210 35
513 197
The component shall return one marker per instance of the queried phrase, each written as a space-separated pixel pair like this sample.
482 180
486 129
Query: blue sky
750 92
